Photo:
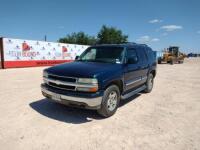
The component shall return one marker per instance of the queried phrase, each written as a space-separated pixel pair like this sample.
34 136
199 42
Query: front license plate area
56 97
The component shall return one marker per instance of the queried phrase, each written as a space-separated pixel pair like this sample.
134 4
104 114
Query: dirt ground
168 118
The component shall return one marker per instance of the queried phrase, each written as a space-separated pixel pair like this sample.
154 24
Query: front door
132 74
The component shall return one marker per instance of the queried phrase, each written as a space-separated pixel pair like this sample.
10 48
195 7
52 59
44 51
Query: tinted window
131 53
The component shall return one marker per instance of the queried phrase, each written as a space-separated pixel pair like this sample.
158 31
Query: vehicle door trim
136 80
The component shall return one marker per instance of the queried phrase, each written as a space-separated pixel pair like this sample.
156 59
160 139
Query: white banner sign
23 50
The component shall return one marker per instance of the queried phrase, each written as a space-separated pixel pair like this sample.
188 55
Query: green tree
111 35
78 38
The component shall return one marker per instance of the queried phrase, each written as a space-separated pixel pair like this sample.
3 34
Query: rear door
132 75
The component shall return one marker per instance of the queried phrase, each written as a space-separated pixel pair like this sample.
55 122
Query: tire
172 62
110 101
149 83
181 62
159 60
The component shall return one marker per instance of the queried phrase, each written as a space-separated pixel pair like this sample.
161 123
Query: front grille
61 78
65 87
55 78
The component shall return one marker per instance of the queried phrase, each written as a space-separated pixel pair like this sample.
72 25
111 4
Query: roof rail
133 43
129 43
144 44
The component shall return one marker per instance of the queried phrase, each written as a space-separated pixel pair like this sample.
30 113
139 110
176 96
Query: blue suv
101 77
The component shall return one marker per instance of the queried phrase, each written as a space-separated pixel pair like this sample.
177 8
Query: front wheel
180 61
110 101
149 83
172 62
159 61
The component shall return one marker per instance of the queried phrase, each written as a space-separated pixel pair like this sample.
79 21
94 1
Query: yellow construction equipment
172 55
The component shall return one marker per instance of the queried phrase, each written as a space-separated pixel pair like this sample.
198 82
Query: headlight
45 74
87 81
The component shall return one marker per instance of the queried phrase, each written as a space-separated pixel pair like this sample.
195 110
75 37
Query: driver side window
132 57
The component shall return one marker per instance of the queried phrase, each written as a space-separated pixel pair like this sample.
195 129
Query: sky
158 23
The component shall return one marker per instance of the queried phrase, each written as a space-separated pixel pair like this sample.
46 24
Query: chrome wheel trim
112 101
151 83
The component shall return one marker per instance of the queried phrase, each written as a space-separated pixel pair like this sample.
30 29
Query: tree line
106 35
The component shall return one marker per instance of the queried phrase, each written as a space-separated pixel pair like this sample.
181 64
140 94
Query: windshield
103 54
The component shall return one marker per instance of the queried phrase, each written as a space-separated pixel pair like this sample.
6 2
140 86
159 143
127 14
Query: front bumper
71 100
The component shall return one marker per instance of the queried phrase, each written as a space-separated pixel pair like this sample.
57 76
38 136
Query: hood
83 69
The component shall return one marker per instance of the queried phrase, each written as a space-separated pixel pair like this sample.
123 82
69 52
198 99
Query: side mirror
76 57
132 60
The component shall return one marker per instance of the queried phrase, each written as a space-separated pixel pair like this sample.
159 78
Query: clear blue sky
159 23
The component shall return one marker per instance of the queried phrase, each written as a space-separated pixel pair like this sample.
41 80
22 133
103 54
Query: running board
133 92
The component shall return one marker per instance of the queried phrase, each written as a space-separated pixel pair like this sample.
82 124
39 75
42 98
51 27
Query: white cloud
155 40
155 21
147 39
198 32
171 27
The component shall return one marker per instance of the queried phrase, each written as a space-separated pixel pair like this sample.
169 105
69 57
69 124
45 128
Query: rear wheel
110 101
149 83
